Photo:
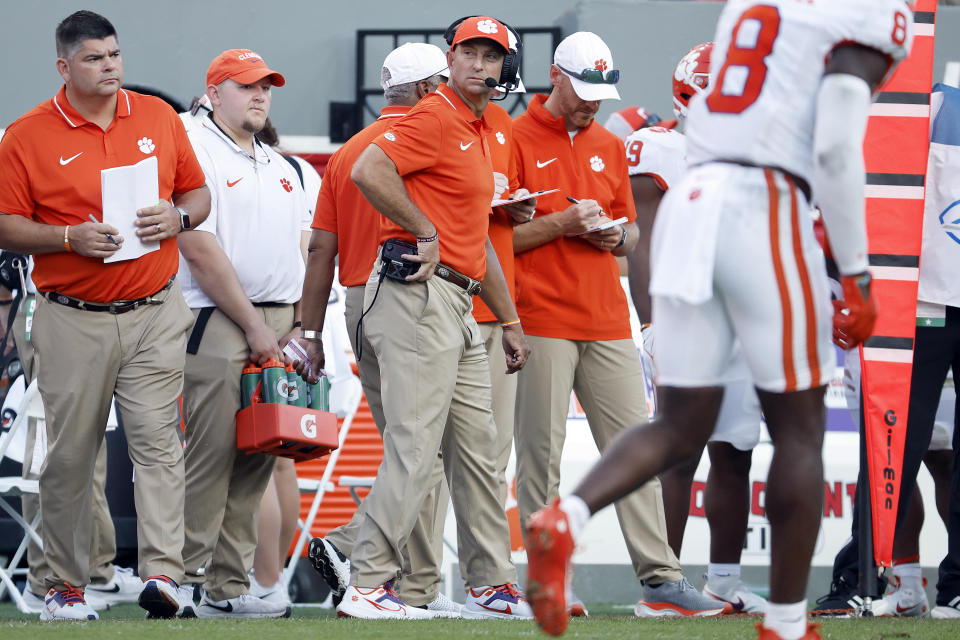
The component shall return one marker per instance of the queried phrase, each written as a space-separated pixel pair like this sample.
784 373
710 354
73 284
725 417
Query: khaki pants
104 542
436 392
83 358
423 552
504 392
608 381
224 485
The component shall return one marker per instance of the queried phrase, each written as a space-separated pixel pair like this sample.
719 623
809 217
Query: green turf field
127 622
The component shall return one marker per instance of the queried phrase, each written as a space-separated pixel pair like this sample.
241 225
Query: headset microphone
490 82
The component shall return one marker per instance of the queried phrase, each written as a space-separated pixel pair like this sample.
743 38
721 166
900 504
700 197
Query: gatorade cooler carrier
281 429
286 430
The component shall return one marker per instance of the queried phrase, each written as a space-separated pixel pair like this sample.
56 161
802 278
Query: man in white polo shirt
242 272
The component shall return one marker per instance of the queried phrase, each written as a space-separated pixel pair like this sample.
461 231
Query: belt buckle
474 288
122 306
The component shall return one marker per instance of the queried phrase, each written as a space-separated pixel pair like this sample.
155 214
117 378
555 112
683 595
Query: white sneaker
160 597
947 611
66 605
32 603
378 603
444 607
903 601
503 602
243 606
731 589
185 597
277 594
123 587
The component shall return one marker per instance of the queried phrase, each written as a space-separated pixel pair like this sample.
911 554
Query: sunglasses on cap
594 76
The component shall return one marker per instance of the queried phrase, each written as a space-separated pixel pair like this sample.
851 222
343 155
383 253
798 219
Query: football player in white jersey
656 160
733 256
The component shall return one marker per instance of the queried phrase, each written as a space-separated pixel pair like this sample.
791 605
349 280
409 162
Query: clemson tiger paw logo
596 163
390 136
600 65
502 139
146 145
487 26
286 185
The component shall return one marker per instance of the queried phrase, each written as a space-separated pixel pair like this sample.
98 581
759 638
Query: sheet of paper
124 190
604 225
499 202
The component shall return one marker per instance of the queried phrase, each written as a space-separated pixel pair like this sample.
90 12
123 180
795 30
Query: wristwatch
184 219
309 334
623 238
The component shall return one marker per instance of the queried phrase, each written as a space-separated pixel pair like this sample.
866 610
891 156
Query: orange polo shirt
441 151
342 209
52 158
566 288
500 140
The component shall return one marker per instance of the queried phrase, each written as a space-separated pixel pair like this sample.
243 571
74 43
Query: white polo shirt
257 212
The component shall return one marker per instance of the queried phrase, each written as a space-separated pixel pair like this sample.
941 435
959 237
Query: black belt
471 286
118 306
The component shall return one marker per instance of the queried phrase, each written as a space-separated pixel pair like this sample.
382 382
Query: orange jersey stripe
786 310
813 361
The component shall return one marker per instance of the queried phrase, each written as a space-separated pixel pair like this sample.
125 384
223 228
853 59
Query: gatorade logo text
308 425
283 387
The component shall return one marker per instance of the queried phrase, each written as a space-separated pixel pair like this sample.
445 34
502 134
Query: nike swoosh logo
69 160
903 609
508 610
226 609
114 589
738 605
396 608
234 183
465 147
541 165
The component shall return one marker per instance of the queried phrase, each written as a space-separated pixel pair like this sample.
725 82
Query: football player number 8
767 18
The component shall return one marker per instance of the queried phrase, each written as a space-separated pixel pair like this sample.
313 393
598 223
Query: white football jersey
765 74
659 153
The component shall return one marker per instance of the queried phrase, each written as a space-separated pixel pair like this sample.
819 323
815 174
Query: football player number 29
767 20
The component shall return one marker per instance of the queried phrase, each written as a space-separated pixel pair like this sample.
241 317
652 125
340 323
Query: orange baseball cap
243 66
482 27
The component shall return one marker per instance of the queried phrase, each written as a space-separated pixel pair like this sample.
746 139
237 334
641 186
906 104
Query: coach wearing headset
426 176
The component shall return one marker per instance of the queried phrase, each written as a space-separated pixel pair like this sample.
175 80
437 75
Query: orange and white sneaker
378 603
503 602
769 634
903 601
576 607
66 604
549 571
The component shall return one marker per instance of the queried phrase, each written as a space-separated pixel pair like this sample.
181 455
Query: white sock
788 620
578 513
720 570
909 574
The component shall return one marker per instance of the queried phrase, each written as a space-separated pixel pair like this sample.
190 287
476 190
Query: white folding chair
12 446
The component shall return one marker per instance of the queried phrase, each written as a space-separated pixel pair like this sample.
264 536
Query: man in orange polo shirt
570 300
103 328
345 225
430 176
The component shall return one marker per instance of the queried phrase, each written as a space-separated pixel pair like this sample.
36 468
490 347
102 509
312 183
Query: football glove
855 315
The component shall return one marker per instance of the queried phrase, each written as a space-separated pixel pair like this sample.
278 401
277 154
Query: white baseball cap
584 52
412 62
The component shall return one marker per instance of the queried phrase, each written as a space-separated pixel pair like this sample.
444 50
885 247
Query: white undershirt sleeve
843 104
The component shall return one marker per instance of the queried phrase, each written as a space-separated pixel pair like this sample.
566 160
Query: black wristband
297 324
432 238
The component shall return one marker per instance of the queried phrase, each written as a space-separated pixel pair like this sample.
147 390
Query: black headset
511 61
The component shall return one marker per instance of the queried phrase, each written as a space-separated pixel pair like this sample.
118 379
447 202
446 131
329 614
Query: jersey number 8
767 18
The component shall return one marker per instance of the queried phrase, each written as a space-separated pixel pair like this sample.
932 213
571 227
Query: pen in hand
109 237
